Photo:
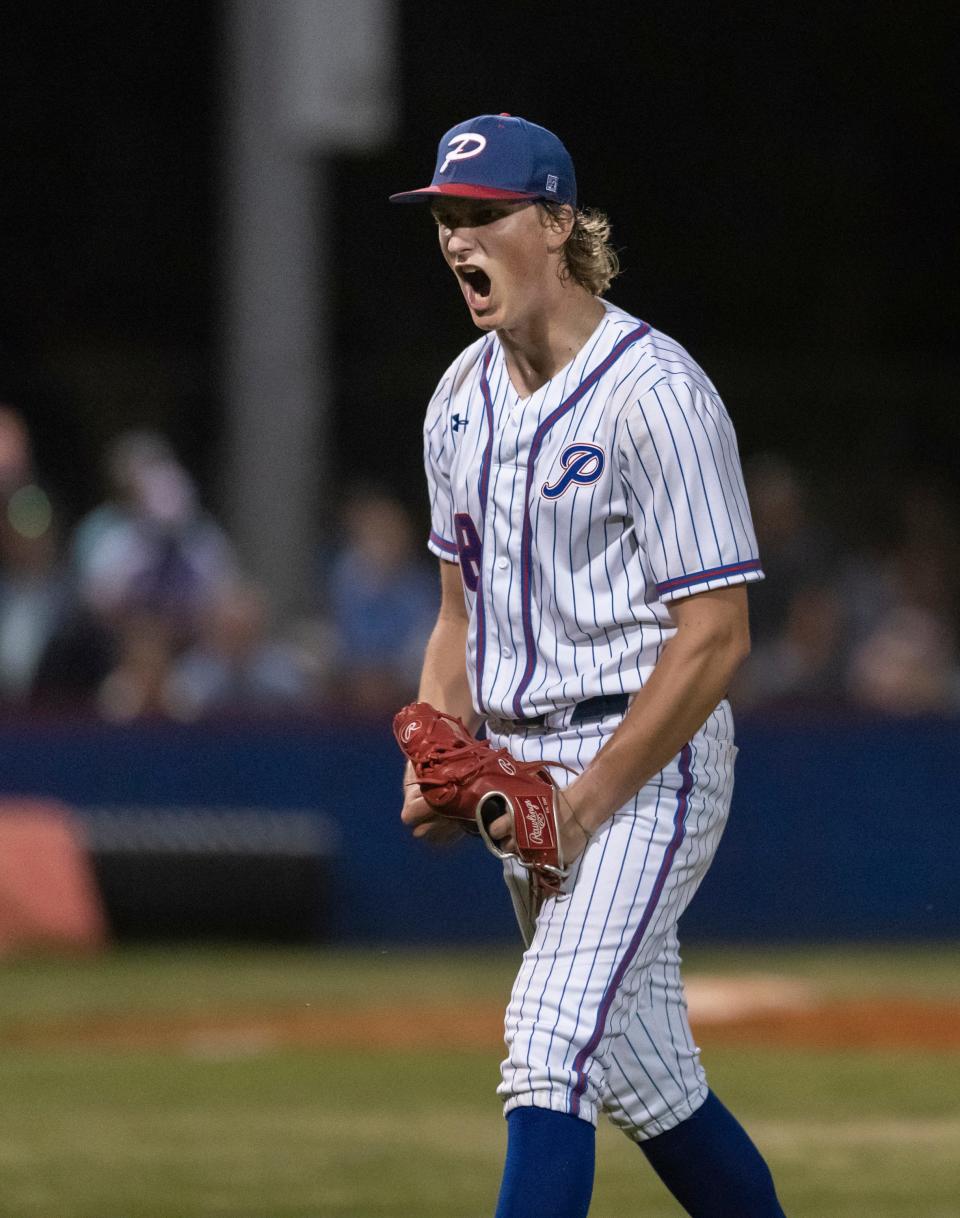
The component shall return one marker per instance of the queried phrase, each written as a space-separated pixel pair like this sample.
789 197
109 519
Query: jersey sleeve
436 459
683 480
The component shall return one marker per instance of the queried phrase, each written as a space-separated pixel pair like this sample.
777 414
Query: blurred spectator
131 453
796 618
16 461
906 610
30 590
924 558
51 653
383 600
803 664
795 550
877 627
234 666
915 564
30 605
907 666
152 619
149 563
151 549
136 687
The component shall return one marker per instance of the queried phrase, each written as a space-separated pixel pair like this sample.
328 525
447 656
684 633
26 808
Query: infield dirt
756 1010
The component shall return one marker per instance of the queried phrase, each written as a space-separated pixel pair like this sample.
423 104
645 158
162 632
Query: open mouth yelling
476 286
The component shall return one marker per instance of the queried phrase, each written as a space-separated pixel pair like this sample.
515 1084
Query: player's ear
558 219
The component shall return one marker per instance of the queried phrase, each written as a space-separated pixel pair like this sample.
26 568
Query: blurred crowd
142 608
861 604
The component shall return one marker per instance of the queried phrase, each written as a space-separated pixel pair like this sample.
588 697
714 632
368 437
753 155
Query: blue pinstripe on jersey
637 938
597 1017
580 613
483 487
527 542
644 1067
697 413
681 470
488 414
705 496
731 465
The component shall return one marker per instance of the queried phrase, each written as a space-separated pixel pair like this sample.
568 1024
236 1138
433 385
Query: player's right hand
425 821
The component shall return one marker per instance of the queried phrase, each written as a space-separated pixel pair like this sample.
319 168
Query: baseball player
595 544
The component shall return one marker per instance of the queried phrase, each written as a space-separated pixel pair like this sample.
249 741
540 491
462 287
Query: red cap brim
459 190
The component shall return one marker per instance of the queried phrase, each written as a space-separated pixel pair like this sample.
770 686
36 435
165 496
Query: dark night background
777 179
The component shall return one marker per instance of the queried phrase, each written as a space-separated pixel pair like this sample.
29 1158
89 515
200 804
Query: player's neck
536 351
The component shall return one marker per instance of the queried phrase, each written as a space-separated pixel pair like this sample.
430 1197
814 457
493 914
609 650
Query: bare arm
691 677
443 683
693 674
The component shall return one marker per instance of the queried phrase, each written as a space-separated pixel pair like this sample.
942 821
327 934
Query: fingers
425 821
438 831
415 808
500 829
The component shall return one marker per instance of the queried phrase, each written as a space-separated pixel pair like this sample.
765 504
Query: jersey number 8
470 550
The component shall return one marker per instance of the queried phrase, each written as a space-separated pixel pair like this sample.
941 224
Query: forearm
443 681
691 677
444 684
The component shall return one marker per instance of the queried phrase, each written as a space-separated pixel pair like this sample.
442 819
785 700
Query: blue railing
839 830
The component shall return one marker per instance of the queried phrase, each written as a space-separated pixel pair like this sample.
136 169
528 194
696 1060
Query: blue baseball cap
497 156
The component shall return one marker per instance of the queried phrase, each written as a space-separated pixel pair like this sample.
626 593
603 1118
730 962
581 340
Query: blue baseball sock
712 1168
549 1167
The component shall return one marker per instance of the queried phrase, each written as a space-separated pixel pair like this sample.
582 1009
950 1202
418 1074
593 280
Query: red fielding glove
473 784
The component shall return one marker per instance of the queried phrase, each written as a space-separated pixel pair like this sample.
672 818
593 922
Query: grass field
232 1124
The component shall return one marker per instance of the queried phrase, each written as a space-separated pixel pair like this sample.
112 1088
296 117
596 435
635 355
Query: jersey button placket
502 524
517 507
495 529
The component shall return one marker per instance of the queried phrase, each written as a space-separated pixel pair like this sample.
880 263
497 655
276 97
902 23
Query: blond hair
588 257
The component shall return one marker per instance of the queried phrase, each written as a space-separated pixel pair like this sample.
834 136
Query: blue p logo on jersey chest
582 464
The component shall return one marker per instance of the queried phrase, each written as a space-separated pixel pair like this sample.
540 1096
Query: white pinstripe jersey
578 512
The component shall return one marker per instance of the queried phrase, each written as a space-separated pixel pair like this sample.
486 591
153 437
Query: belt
583 712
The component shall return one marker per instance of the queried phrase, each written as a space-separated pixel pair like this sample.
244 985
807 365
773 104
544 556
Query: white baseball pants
597 1020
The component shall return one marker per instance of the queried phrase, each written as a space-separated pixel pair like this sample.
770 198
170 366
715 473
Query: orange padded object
48 895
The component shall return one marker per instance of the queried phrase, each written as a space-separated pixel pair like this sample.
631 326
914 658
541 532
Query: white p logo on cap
462 151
